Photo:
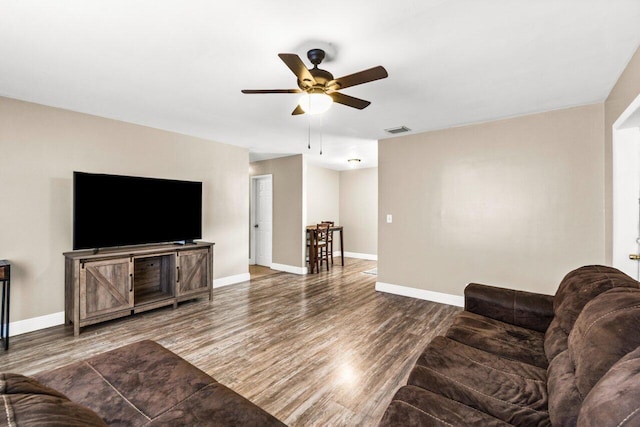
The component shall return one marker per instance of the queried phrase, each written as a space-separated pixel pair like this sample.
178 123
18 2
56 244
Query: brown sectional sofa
135 385
511 358
525 359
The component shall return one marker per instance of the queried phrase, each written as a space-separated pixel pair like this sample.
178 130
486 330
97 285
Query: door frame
626 187
252 217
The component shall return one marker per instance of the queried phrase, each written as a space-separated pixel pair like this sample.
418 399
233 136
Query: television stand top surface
130 250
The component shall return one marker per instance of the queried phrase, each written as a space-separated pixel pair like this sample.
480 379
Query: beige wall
626 89
514 203
42 146
287 241
359 210
323 195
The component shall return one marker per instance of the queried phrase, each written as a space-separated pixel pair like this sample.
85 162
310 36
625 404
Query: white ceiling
180 65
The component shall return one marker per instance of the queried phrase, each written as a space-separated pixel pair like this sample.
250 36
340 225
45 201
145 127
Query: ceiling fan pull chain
309 134
321 135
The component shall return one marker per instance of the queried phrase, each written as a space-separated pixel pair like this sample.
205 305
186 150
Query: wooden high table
311 231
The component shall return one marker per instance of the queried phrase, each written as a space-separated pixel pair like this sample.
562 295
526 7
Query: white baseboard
289 268
231 280
407 291
41 322
36 323
54 319
370 257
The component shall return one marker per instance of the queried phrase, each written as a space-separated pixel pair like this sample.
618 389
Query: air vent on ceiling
399 129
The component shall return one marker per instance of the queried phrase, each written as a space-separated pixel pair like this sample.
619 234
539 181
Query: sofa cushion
499 338
215 405
509 390
556 340
614 400
414 406
576 289
25 402
564 397
606 330
146 384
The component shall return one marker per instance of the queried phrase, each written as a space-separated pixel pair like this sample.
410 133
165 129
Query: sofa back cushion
605 331
576 289
613 401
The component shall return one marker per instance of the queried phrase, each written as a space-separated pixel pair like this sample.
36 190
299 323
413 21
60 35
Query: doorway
626 190
261 215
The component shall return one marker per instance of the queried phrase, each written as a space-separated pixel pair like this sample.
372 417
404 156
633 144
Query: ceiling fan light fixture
315 103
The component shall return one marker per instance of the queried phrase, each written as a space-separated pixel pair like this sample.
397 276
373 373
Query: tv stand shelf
117 282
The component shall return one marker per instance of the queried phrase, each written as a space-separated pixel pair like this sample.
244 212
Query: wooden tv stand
112 283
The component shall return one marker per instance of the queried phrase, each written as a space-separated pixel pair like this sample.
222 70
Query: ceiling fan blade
349 101
271 91
296 65
297 111
375 73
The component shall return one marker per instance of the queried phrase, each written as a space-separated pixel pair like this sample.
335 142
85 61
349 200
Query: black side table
5 278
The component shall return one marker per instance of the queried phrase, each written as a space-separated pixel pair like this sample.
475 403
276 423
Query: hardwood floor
257 271
321 349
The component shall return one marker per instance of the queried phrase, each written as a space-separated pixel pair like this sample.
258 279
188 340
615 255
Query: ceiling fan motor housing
322 77
316 56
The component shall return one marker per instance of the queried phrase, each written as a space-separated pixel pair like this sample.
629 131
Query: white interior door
626 191
263 220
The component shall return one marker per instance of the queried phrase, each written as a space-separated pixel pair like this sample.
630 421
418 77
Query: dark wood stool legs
5 278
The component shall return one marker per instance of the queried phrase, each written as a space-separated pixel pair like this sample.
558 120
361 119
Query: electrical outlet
389 218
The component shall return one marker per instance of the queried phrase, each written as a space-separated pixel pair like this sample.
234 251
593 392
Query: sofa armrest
526 309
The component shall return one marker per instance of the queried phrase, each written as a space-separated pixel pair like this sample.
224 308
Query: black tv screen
115 210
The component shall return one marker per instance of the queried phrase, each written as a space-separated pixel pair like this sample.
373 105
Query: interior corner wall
515 203
359 210
287 239
42 146
626 89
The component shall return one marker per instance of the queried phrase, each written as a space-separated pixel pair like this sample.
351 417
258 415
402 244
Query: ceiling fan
319 87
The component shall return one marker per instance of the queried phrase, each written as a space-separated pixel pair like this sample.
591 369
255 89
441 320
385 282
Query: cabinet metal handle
634 257
178 279
130 282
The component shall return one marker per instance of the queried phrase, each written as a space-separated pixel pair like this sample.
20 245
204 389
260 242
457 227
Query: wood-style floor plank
321 349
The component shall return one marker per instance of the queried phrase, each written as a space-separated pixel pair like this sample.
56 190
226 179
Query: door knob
634 257
255 226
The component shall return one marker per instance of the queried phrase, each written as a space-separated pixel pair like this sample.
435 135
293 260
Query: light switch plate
389 218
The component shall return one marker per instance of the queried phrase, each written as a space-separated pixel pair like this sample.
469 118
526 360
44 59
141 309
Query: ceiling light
315 103
354 162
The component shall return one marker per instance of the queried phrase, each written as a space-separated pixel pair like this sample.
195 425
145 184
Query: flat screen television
116 210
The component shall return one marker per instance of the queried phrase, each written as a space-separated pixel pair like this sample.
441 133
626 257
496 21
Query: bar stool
317 246
323 236
330 239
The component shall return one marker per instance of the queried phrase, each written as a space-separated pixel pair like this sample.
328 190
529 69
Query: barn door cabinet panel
113 283
106 287
193 272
